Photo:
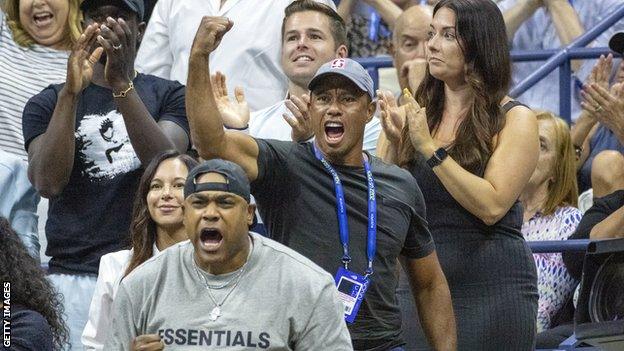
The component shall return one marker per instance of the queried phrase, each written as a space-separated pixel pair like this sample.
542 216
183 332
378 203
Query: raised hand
601 72
619 74
234 113
82 58
120 46
608 106
209 34
147 342
392 116
419 133
300 120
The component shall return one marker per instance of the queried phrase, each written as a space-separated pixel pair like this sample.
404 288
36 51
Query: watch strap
438 156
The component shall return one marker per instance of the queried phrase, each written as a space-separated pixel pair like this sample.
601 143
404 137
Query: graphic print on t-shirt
104 146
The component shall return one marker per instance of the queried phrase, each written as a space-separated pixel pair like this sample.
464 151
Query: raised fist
209 34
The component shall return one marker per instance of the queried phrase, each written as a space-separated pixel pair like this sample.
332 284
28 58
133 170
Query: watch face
438 156
441 154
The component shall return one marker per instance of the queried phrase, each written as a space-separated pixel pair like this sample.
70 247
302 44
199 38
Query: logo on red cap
338 63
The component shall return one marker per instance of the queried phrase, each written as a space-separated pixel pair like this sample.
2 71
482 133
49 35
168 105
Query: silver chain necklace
216 311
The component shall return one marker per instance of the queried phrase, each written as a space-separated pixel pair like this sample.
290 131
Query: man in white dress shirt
249 55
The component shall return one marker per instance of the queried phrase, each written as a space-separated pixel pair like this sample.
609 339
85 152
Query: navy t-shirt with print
91 216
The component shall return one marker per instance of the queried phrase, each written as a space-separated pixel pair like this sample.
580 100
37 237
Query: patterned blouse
555 285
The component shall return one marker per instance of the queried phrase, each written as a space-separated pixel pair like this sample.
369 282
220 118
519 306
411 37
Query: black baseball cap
136 6
236 181
616 43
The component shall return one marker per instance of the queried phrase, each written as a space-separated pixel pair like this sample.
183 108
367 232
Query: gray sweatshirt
283 301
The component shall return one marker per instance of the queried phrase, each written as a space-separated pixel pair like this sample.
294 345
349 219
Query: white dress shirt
249 54
539 33
269 123
112 268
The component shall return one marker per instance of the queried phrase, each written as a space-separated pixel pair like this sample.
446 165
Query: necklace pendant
214 314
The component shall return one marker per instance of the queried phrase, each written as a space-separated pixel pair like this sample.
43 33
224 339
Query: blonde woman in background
35 38
550 213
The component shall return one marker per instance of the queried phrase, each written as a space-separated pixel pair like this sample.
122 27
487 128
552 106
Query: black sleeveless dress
489 269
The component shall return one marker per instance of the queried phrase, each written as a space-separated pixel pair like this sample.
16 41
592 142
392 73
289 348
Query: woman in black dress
472 151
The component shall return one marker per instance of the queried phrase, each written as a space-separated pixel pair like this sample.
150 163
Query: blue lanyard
341 210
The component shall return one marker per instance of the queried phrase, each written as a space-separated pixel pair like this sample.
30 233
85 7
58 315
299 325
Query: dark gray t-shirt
296 199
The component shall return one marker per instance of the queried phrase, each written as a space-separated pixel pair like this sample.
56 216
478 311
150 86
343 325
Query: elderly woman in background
550 213
35 36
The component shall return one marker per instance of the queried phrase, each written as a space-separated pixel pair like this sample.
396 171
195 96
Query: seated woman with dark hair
156 225
35 307
550 213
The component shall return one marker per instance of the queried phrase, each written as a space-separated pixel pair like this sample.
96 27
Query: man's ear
342 51
141 31
370 109
251 212
391 48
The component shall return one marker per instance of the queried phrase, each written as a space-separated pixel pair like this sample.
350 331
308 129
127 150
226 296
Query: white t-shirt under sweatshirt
283 301
112 268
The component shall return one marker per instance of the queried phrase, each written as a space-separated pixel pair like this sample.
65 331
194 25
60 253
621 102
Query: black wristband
438 156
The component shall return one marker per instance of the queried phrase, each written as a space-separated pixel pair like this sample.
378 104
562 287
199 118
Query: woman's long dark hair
143 227
29 286
483 40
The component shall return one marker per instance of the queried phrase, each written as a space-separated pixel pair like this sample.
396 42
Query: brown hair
337 25
563 190
483 41
73 28
143 227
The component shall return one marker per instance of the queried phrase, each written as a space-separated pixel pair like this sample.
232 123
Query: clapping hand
234 113
209 34
601 103
300 119
120 46
84 55
601 72
419 133
608 106
619 74
392 116
599 76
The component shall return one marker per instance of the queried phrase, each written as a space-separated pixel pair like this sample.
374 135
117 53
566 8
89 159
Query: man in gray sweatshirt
227 288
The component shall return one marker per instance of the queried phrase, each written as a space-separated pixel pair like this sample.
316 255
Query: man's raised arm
204 116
